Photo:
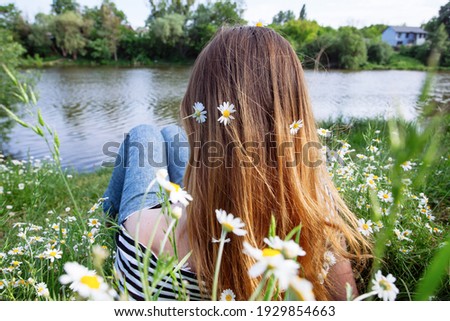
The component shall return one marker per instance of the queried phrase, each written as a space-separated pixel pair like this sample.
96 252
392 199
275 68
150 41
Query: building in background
403 36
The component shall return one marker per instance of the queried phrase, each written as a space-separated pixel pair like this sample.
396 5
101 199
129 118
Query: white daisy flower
16 251
176 193
3 284
302 289
85 282
295 126
93 208
52 254
407 166
329 259
385 287
230 223
41 289
227 295
272 260
365 227
199 112
324 132
93 222
21 186
385 196
372 149
226 109
289 249
371 183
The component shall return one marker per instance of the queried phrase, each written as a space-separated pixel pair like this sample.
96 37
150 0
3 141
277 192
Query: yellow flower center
371 182
228 297
259 24
175 186
296 125
270 252
91 281
227 227
385 285
226 113
1 283
365 226
94 222
385 196
90 234
53 253
16 263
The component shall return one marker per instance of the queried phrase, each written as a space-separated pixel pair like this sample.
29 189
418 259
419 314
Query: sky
334 13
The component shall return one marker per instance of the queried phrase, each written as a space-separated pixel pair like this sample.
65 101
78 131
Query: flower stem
166 236
271 288
365 296
219 260
258 290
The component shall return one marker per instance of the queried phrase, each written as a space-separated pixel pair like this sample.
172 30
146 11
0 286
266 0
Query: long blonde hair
246 167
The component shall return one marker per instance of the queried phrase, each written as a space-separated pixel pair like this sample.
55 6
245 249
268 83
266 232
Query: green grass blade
439 266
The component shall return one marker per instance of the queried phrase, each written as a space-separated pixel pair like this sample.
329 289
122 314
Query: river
89 107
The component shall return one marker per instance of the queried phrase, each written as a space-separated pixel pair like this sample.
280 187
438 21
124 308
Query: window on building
407 35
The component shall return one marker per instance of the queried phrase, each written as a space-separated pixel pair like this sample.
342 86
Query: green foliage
10 53
161 8
67 29
40 38
300 33
62 6
282 17
379 52
444 17
207 19
302 15
373 31
352 48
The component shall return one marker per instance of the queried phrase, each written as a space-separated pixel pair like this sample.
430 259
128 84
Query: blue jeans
144 151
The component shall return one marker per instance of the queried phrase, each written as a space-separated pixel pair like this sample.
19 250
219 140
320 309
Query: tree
282 17
300 33
41 39
62 6
351 48
67 29
302 15
208 18
444 17
111 22
167 36
161 8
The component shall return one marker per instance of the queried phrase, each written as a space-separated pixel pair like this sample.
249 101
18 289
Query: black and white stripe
129 260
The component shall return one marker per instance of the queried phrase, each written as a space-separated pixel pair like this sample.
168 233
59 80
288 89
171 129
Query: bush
379 52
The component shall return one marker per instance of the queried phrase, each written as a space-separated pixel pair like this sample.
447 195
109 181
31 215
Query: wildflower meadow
56 243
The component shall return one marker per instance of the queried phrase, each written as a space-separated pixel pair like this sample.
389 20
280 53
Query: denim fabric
144 151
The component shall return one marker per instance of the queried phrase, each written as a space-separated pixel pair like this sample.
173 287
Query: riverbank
397 62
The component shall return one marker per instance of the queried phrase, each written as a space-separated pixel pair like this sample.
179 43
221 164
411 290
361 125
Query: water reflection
90 107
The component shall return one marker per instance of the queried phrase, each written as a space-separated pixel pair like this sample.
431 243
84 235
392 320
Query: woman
256 159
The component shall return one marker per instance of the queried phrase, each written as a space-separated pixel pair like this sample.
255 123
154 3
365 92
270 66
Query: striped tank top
129 260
